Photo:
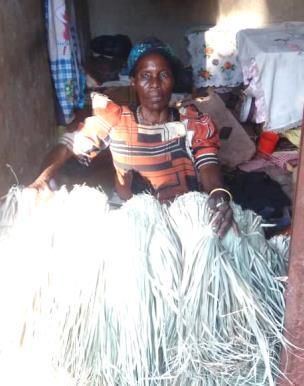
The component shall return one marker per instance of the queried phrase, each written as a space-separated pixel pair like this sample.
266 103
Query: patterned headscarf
148 46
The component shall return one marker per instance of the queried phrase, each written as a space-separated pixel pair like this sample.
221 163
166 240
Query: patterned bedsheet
213 57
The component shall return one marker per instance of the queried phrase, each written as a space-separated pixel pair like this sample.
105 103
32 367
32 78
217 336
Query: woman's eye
145 75
164 75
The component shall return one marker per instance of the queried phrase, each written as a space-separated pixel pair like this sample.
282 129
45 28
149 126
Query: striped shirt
169 155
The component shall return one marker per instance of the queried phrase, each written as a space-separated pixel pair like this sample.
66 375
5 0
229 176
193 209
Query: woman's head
152 68
149 46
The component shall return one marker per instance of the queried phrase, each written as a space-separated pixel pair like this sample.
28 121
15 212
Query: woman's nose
154 82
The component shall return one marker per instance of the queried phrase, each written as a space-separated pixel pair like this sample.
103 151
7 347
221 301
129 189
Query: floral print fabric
213 57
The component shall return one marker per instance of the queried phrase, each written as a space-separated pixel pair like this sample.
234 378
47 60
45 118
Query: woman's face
153 81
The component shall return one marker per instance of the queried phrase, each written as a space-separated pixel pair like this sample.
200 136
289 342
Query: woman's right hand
42 189
39 184
54 160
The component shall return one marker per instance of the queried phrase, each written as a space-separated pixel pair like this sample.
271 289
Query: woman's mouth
156 97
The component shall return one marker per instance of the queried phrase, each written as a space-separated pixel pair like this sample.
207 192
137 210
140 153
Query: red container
267 142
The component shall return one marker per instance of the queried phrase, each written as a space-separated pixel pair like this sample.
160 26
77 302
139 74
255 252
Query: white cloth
213 57
272 61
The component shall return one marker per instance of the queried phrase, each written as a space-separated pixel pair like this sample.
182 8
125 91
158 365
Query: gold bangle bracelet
222 190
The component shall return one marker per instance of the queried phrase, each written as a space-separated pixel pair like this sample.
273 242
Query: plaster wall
169 19
166 19
253 13
27 118
83 27
273 11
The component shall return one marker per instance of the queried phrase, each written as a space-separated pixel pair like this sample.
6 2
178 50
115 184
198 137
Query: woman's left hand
221 214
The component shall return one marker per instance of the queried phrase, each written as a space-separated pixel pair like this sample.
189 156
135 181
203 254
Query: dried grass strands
22 240
228 333
143 295
118 327
279 259
138 323
56 276
73 270
123 295
254 259
21 276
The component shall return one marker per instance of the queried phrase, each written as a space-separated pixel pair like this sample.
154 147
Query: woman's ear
132 81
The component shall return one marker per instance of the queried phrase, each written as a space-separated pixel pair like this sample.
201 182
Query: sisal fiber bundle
142 295
231 305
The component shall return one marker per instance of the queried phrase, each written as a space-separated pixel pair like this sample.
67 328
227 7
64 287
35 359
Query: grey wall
166 19
83 27
169 19
27 119
259 12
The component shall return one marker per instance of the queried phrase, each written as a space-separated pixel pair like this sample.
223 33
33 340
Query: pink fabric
254 164
255 89
278 158
281 158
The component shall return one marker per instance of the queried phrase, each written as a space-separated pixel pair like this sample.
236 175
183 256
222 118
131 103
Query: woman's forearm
54 160
219 200
210 177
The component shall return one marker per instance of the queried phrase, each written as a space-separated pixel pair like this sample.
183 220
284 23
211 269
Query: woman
175 151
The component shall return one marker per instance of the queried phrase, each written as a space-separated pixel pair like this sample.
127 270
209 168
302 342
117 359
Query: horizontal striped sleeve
93 135
106 110
205 142
67 139
206 159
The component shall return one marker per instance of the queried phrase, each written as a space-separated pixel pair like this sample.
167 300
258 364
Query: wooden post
292 364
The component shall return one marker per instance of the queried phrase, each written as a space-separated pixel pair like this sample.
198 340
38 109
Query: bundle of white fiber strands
144 295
